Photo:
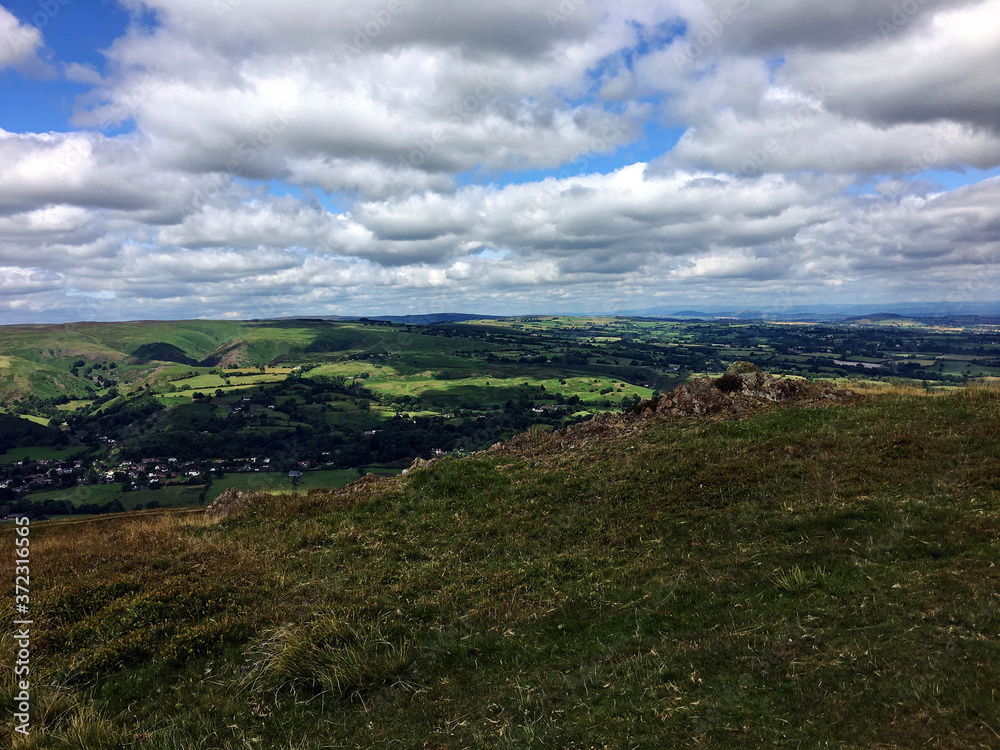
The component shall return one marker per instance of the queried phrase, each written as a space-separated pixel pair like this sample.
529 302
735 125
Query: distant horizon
830 311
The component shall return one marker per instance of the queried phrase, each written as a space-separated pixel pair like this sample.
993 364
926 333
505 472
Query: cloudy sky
250 158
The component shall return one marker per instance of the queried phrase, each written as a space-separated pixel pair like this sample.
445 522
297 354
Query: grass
101 494
40 452
171 496
382 471
280 482
800 578
44 421
329 655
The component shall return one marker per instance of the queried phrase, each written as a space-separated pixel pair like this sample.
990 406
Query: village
30 476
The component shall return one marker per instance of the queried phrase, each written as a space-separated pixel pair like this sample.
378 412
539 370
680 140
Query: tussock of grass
331 654
798 581
61 720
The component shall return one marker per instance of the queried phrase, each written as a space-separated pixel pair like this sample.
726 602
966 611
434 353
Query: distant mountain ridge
826 312
420 320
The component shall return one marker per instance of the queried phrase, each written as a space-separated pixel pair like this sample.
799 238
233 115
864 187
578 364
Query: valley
104 417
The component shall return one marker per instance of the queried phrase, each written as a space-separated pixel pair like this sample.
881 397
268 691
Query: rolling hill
45 360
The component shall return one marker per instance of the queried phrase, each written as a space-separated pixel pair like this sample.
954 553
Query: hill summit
741 391
743 388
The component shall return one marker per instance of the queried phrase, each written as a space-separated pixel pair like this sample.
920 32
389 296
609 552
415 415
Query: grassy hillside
798 578
21 377
45 361
187 342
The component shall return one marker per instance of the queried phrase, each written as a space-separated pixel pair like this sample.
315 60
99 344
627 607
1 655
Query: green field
448 388
41 452
99 494
37 420
171 496
201 383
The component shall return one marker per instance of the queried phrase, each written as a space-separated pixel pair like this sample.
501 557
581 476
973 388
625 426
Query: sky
169 159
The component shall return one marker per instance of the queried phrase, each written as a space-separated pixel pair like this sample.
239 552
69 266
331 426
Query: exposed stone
742 368
702 398
233 502
419 463
367 482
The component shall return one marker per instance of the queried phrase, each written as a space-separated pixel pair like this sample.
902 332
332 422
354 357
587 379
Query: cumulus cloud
764 27
940 69
594 232
91 170
19 43
372 97
890 88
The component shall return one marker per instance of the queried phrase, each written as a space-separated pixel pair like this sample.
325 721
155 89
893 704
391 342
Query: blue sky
240 158
76 32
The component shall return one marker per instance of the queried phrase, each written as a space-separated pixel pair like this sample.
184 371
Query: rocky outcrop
420 463
744 389
233 502
365 483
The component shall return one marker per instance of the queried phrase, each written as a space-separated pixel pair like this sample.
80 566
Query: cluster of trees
16 433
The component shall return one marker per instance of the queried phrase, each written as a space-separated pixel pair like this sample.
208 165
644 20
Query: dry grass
122 540
974 389
333 654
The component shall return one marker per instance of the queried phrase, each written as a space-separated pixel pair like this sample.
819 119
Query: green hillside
800 577
201 340
21 377
45 361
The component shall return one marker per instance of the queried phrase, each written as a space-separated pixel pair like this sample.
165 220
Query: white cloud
87 169
315 95
19 43
940 70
